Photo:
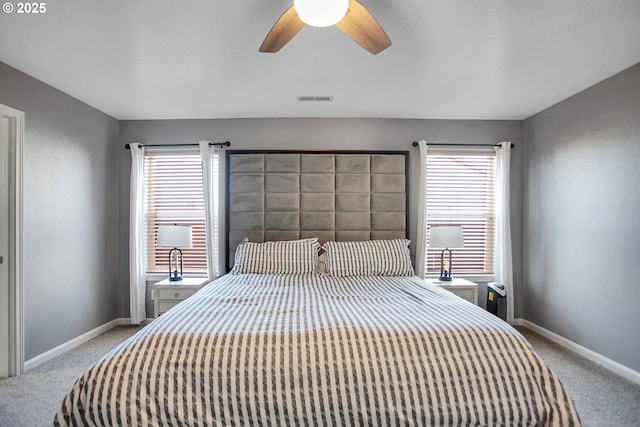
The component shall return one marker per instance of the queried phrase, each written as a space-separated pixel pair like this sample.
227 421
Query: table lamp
447 237
174 236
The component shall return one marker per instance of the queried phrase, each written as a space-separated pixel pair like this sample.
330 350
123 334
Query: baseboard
612 365
64 347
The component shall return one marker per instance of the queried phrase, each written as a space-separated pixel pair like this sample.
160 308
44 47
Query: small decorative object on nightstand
168 293
465 289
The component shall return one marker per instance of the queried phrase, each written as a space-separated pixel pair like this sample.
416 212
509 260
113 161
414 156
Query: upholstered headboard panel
342 196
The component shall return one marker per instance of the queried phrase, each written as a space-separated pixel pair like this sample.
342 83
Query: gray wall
319 134
582 218
70 212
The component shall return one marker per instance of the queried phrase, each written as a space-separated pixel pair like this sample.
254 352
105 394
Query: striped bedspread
311 350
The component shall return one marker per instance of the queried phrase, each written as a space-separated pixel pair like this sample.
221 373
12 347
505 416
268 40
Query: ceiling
451 59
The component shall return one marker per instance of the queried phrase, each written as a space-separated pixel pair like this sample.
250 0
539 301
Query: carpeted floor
32 399
601 397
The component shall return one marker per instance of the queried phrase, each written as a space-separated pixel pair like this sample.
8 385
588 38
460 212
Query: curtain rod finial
220 144
415 143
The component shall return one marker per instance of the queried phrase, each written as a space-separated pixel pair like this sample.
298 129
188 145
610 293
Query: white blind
174 195
461 191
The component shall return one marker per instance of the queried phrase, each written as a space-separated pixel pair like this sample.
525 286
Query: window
174 195
461 190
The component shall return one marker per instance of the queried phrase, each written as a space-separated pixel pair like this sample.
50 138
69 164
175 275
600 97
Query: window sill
478 278
156 277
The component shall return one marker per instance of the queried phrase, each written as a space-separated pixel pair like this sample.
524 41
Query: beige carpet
32 399
601 397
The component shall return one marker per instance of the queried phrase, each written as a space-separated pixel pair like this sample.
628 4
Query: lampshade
174 236
446 236
321 13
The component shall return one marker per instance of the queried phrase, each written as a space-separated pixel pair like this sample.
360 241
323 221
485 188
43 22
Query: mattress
259 349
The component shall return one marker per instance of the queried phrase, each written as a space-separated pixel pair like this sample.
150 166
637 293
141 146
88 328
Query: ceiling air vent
315 98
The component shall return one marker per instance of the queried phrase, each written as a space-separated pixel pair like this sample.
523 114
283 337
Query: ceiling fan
349 16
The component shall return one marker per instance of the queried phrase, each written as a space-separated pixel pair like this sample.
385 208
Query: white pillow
279 257
369 258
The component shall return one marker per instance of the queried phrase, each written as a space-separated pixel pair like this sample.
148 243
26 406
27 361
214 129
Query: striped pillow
281 257
369 258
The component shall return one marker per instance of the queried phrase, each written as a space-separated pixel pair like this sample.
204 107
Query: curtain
137 278
503 260
213 203
421 238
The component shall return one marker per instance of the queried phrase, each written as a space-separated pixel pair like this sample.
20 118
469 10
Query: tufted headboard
332 195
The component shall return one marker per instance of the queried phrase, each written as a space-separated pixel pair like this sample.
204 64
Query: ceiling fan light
321 13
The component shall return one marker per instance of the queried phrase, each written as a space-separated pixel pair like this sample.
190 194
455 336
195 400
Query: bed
320 321
307 348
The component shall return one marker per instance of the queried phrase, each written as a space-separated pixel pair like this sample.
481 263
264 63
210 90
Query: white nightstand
167 294
464 288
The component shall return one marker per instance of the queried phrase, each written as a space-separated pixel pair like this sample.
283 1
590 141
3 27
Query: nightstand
167 294
464 288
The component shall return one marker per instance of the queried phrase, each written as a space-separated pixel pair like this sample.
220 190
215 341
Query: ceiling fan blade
283 30
363 28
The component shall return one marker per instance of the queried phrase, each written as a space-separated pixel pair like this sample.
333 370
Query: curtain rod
219 144
415 144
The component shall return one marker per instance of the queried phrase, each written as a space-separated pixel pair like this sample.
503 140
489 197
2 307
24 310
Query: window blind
461 191
174 195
